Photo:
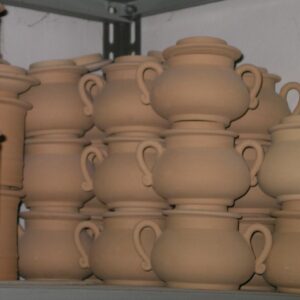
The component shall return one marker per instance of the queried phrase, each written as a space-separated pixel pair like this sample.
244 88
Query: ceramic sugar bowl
53 174
200 82
199 168
47 249
117 180
118 103
113 256
56 101
203 250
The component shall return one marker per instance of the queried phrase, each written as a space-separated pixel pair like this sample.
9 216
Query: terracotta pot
200 83
47 248
117 180
57 104
119 102
271 109
199 168
203 250
255 201
113 257
53 174
92 62
257 282
283 264
9 203
279 174
13 81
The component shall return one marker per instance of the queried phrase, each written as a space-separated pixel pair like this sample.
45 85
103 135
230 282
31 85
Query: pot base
202 286
134 282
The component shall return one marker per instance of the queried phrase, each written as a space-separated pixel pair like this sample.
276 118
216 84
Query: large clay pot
53 176
9 204
13 81
199 168
257 282
57 104
255 201
119 102
279 174
203 250
271 109
47 248
200 83
113 256
283 264
117 180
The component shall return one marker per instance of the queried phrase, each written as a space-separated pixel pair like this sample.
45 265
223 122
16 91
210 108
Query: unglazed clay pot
199 168
279 174
119 102
283 264
9 203
113 256
257 282
255 201
203 250
117 180
47 249
200 83
13 81
53 174
57 104
92 62
271 109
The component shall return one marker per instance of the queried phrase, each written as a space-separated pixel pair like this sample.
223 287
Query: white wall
28 36
266 31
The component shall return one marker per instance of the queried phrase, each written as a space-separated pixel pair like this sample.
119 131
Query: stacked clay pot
13 82
255 205
279 177
53 172
118 110
198 168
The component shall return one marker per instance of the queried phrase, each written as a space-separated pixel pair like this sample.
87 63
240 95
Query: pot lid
92 62
202 45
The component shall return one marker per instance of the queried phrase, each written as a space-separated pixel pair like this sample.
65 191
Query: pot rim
116 139
283 126
25 78
286 214
12 193
220 214
198 131
133 129
111 214
81 141
51 215
260 137
50 132
16 102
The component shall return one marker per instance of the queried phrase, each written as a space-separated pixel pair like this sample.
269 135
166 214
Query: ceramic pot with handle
113 256
119 103
57 104
200 83
53 174
203 250
47 250
199 168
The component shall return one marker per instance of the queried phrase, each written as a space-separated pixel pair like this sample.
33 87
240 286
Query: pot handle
84 258
254 90
140 79
260 266
240 148
85 85
285 90
87 185
137 234
140 156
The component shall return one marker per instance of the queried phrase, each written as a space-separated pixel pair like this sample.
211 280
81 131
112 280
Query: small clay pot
199 82
119 102
113 256
272 107
203 250
199 169
9 203
47 248
283 264
117 177
53 174
57 104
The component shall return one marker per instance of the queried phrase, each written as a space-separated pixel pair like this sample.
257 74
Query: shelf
98 9
24 290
